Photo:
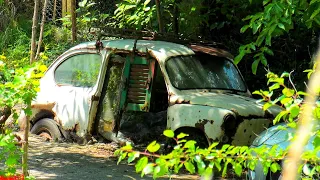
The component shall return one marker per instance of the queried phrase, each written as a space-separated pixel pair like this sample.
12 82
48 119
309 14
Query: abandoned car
95 87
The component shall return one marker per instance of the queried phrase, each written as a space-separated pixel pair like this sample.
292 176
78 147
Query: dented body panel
222 114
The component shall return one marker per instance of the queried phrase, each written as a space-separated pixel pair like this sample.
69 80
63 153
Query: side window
79 70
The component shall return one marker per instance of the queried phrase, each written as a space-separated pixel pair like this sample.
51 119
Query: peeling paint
202 122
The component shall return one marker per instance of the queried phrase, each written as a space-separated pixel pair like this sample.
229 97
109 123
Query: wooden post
161 29
41 28
34 30
74 20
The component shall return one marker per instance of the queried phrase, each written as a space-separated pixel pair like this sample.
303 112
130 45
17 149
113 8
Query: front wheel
47 129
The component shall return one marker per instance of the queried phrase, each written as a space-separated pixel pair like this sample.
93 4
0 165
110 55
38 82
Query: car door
76 88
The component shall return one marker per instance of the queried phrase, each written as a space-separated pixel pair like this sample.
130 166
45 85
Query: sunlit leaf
153 147
182 135
238 169
190 167
168 133
141 164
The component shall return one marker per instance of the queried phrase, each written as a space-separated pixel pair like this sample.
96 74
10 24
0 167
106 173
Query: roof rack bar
150 35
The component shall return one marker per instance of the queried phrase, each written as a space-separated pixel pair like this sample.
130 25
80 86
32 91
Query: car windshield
204 72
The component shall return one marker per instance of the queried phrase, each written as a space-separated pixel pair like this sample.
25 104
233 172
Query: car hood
241 105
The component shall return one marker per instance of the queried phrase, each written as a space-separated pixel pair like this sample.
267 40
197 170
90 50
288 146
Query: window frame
70 56
225 58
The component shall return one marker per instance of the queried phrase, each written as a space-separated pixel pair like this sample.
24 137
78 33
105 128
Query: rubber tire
47 125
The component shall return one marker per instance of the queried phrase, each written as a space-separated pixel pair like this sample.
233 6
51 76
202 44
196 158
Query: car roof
161 50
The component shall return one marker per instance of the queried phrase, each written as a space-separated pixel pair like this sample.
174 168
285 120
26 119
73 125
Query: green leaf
252 164
243 149
146 2
225 147
316 141
122 156
315 13
302 93
182 135
279 116
159 171
126 147
306 170
153 147
239 57
254 66
190 144
168 133
263 60
268 40
213 145
244 28
260 39
255 27
148 169
275 167
189 166
288 92
201 167
294 111
274 86
268 51
238 169
141 164
266 106
132 156
281 26
217 164
11 161
257 92
285 74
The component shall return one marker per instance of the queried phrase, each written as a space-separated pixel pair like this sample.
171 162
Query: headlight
230 127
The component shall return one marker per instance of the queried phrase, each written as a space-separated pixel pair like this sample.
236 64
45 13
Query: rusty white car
90 87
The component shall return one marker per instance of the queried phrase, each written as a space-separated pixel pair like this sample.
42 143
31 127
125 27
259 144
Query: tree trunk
34 30
161 29
54 10
25 145
175 18
74 20
42 27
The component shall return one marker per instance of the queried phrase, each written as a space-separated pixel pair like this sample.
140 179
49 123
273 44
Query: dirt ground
50 160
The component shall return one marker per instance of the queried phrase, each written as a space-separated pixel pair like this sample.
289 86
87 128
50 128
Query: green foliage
135 14
18 87
276 19
10 154
186 154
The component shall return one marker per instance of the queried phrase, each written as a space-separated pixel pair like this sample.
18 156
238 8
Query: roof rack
150 35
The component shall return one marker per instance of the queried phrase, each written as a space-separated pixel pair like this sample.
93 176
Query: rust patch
211 51
200 124
182 101
77 127
47 106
